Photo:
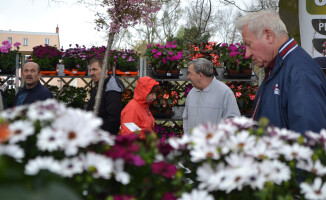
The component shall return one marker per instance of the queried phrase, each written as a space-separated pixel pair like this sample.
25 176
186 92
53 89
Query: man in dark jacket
293 93
33 90
111 101
3 104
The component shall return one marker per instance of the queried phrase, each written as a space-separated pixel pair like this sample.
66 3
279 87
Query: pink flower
154 51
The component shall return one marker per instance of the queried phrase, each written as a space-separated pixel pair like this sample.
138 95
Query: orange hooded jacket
137 110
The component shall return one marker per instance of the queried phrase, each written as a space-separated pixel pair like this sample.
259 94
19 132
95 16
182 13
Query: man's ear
269 35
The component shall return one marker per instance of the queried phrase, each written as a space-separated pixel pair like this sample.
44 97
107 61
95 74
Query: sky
76 22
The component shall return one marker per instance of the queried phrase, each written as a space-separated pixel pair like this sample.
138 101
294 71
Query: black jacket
111 103
37 93
3 100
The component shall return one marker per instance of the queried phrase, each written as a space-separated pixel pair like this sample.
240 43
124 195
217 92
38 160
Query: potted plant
47 57
165 58
72 96
125 60
209 50
245 95
47 140
165 100
8 57
127 96
233 57
75 60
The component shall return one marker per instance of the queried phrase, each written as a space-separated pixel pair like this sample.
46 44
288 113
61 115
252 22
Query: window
25 41
47 41
10 40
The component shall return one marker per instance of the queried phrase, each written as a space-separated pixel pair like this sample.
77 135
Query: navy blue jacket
294 94
37 93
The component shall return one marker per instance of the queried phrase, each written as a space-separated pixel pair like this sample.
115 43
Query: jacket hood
143 87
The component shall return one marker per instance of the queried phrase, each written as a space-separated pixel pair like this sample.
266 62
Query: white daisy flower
315 167
45 110
242 122
209 178
239 160
39 163
12 113
71 166
20 130
316 191
99 165
296 151
227 127
256 180
72 123
206 134
50 140
221 180
261 151
120 175
199 153
274 171
196 195
273 143
105 137
241 141
177 143
283 133
12 150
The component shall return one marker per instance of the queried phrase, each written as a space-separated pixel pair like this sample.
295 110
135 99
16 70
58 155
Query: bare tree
201 15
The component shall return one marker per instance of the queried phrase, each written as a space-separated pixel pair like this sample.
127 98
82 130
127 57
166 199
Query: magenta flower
17 44
164 169
169 196
154 51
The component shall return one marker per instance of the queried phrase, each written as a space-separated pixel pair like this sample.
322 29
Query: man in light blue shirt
209 100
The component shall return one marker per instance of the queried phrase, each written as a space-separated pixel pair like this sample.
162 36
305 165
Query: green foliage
9 95
72 96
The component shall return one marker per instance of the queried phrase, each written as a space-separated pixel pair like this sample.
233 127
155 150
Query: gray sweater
215 102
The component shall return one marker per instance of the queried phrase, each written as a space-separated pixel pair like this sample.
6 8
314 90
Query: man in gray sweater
209 100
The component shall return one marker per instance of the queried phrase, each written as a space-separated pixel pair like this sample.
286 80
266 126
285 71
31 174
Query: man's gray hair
202 65
258 21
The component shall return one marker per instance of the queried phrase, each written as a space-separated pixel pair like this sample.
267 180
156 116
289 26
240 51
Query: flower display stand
162 115
48 73
233 74
166 74
74 72
126 73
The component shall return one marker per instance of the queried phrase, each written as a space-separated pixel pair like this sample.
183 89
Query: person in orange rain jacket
137 110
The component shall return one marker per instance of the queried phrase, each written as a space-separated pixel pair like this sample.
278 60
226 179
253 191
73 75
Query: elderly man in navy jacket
293 94
33 90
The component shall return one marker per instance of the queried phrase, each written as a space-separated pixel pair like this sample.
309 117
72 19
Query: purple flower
149 46
164 169
17 44
4 49
164 148
169 196
154 51
158 54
